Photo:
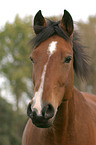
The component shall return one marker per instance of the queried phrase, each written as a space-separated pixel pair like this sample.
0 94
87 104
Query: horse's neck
64 121
73 119
65 127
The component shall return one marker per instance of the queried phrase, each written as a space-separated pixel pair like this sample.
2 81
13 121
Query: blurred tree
14 56
11 124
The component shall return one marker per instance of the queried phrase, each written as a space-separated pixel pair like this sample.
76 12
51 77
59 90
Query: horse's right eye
32 59
68 59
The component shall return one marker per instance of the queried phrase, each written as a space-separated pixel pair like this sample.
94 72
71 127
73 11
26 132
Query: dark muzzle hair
81 59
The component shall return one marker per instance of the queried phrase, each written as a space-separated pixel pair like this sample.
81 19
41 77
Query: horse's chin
44 123
40 125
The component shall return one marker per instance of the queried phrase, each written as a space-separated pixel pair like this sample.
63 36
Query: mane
81 59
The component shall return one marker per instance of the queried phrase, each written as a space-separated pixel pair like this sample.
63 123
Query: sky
79 9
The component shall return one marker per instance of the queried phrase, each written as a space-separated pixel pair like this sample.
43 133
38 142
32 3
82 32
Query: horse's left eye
68 59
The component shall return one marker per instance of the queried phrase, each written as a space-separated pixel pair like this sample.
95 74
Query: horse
59 113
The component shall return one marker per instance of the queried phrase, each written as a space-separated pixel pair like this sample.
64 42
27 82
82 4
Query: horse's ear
39 22
67 23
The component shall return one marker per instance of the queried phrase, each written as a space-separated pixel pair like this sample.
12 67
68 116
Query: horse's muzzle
45 119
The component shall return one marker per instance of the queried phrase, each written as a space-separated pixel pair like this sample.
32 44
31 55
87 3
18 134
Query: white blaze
38 95
37 100
52 47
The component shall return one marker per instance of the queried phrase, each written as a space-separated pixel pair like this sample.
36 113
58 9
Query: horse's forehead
53 44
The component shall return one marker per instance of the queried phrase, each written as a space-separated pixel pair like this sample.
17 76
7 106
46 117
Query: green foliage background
16 67
11 124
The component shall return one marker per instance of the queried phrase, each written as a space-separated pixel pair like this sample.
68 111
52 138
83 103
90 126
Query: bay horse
59 113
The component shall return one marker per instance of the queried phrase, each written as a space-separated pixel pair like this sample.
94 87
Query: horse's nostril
48 111
29 111
34 112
